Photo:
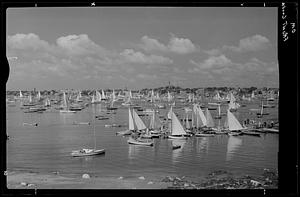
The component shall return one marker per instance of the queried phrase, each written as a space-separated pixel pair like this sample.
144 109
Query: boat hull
135 142
204 135
177 137
78 153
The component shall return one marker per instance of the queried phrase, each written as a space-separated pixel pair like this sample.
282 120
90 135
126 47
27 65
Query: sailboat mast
94 128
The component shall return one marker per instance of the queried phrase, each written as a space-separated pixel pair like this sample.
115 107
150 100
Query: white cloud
152 44
213 62
26 41
176 45
80 45
132 56
253 43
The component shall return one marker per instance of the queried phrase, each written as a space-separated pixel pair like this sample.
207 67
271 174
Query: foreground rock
224 180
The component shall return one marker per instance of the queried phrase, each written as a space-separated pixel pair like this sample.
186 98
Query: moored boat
139 141
87 152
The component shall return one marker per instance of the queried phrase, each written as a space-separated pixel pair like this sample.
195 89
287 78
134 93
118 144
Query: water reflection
233 144
202 144
176 153
133 151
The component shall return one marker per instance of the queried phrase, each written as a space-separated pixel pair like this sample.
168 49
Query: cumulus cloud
80 45
26 41
176 45
253 43
138 57
213 62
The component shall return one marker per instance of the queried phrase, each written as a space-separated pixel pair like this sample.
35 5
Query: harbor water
47 147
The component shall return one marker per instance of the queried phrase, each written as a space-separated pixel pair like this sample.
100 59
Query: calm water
47 148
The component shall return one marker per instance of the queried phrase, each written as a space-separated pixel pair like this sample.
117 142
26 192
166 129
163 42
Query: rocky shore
214 180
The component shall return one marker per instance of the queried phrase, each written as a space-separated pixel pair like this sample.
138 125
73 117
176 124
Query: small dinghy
139 141
81 123
87 152
174 147
30 124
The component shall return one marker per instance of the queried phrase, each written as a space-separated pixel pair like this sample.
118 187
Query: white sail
152 96
170 113
39 95
203 119
187 124
113 96
131 123
233 144
233 123
65 102
47 102
98 96
30 98
138 121
226 123
232 98
209 119
93 99
169 97
177 128
21 95
103 95
252 95
157 96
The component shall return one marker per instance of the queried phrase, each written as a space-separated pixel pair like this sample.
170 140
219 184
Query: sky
118 47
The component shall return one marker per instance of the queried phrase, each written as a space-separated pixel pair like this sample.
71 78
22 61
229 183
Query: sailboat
207 126
111 107
262 111
141 140
130 125
154 126
87 151
65 105
233 106
219 112
96 99
177 130
78 98
234 125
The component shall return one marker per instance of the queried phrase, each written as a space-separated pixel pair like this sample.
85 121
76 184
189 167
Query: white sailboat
78 98
65 105
140 127
177 130
219 112
201 120
103 97
233 106
39 96
233 124
209 120
87 151
130 125
47 102
155 126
